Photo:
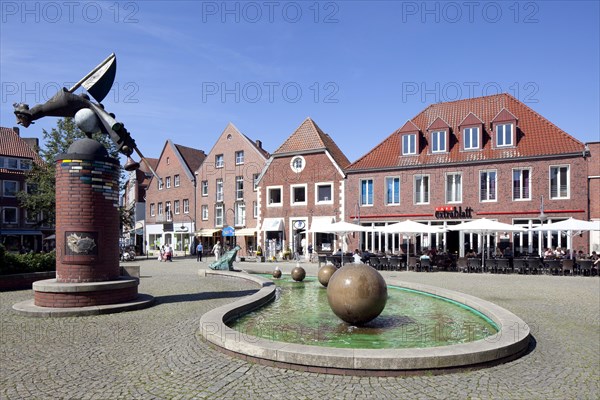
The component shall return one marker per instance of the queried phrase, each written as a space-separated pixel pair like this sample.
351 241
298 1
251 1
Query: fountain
385 346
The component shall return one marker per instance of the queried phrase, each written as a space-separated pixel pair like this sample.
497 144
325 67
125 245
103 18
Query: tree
40 198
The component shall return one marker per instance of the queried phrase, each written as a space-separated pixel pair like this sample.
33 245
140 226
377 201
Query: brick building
594 192
303 184
18 230
226 192
490 157
134 200
171 202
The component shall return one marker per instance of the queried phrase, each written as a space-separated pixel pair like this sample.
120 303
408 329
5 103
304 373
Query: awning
19 232
139 225
51 237
206 232
272 224
245 232
318 222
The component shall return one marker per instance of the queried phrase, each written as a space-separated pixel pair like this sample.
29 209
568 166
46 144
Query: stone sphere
277 274
298 274
87 120
357 293
325 273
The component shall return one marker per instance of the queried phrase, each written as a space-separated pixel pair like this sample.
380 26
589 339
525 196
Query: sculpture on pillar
87 187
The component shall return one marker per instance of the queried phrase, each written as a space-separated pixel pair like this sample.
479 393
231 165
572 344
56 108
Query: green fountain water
301 314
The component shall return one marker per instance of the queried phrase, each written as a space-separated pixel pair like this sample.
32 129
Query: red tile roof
536 136
309 137
192 157
12 145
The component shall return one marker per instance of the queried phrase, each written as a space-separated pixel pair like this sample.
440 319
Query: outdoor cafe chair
490 265
502 265
425 265
412 263
462 265
535 265
395 263
585 267
374 262
474 264
567 266
520 265
553 266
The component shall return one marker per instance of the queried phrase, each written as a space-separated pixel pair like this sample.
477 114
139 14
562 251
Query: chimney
16 130
259 144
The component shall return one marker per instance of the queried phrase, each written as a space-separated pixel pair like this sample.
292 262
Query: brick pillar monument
87 233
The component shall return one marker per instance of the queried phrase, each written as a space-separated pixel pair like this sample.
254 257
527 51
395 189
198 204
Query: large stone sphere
325 273
357 293
87 121
298 274
277 274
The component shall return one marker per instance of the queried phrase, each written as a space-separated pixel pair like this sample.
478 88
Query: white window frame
204 212
219 161
31 221
299 203
25 164
160 209
218 214
168 211
322 184
176 180
239 190
269 190
11 160
152 210
176 207
386 190
186 206
409 141
255 209
239 157
521 186
219 191
438 142
425 189
567 184
239 214
454 187
473 134
364 199
491 196
168 182
160 184
5 193
504 136
204 188
294 163
5 209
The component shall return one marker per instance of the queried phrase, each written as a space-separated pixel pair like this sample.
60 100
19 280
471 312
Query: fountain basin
510 342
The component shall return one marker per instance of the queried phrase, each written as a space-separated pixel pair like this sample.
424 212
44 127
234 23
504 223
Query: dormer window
438 142
471 138
409 144
504 135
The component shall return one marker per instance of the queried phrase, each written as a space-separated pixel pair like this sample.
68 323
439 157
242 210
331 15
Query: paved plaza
157 353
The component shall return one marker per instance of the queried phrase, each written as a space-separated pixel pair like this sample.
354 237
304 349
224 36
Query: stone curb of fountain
509 343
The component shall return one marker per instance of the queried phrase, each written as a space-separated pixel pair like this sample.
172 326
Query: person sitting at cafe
426 256
559 252
497 252
357 259
471 254
548 253
338 252
508 253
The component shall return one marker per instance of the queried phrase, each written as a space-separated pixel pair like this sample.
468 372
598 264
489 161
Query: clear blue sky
360 69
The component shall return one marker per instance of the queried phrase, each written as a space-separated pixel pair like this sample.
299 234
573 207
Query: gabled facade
134 200
226 191
18 230
302 184
490 157
171 201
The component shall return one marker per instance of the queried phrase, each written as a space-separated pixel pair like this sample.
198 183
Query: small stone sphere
87 121
357 293
325 273
298 274
277 274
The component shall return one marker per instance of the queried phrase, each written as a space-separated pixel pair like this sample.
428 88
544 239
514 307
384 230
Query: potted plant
259 254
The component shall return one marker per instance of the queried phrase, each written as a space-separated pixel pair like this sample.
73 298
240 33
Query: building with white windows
490 157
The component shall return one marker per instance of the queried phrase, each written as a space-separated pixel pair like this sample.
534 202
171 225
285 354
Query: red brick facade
87 219
225 191
174 205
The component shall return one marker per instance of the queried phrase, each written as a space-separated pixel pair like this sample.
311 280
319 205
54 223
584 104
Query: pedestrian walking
199 250
217 250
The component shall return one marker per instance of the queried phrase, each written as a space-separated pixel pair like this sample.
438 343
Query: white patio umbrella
410 228
484 227
572 226
340 228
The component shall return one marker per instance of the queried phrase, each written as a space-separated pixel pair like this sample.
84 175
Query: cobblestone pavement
157 354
